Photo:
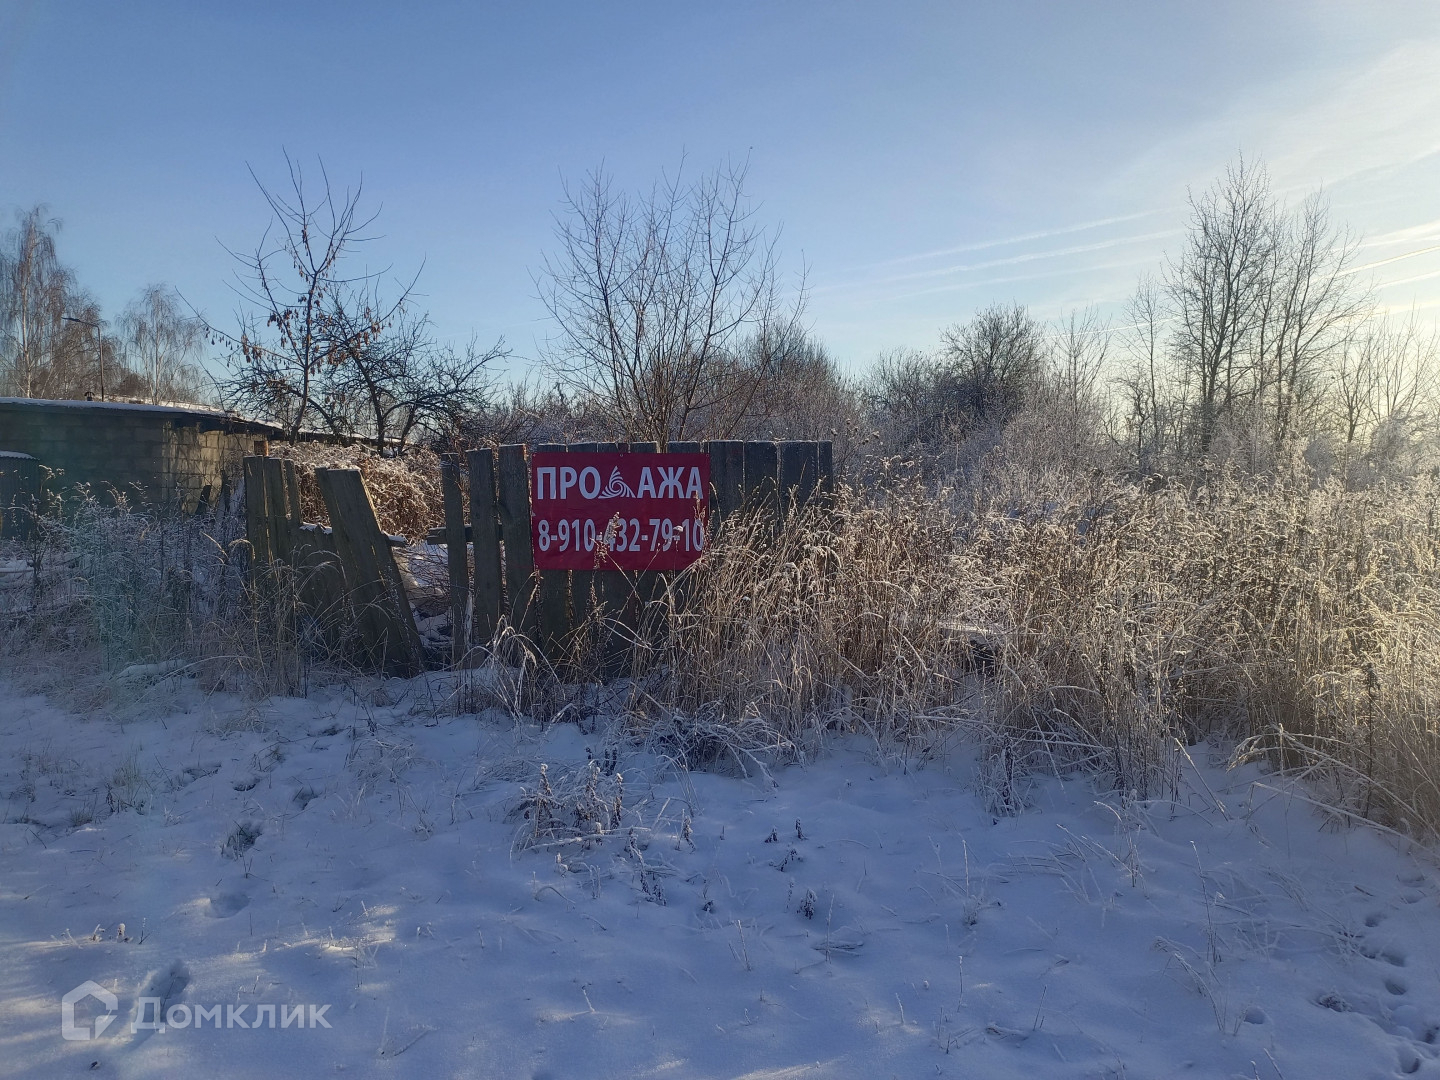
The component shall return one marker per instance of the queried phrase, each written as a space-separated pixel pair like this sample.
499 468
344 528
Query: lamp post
99 348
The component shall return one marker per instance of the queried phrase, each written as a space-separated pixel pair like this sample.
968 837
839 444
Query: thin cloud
1393 258
1408 235
989 264
1410 280
992 281
1022 239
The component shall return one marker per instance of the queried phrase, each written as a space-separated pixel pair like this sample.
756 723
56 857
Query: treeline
55 342
1259 345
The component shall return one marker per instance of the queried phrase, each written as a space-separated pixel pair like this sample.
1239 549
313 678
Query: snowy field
362 859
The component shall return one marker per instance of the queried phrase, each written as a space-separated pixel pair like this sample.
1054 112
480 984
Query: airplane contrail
1012 260
1023 238
988 282
1393 258
1409 280
1427 231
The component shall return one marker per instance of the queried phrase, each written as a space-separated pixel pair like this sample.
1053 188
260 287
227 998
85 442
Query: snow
860 915
128 406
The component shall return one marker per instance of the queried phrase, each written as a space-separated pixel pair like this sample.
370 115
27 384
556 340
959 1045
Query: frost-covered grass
1106 620
1060 621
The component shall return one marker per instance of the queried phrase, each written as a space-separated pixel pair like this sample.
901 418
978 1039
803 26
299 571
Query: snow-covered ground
364 853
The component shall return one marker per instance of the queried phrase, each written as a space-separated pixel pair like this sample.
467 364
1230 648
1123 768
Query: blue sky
922 160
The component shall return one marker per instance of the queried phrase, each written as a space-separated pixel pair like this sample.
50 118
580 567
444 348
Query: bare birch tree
33 301
163 344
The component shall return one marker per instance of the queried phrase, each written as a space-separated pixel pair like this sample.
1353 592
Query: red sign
618 511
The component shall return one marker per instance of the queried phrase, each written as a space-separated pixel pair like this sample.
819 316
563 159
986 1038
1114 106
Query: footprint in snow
225 904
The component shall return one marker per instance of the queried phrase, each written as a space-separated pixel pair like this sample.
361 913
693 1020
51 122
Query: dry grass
118 599
405 490
851 615
1068 621
1304 621
1097 622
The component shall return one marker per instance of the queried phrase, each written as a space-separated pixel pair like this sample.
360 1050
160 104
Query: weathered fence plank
514 507
613 592
281 541
553 590
321 580
292 494
762 472
584 584
825 458
457 559
647 582
799 465
257 513
485 535
727 478
377 592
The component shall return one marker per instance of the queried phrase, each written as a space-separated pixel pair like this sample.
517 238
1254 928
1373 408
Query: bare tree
1311 304
83 359
33 301
1383 393
995 361
391 380
1078 356
290 286
1217 291
667 306
317 339
1154 403
163 344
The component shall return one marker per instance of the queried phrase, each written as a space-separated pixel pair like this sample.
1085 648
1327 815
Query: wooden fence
350 567
343 576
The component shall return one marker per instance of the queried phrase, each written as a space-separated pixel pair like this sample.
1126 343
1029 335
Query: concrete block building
152 454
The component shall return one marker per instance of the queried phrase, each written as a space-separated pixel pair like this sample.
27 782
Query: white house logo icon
69 1029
